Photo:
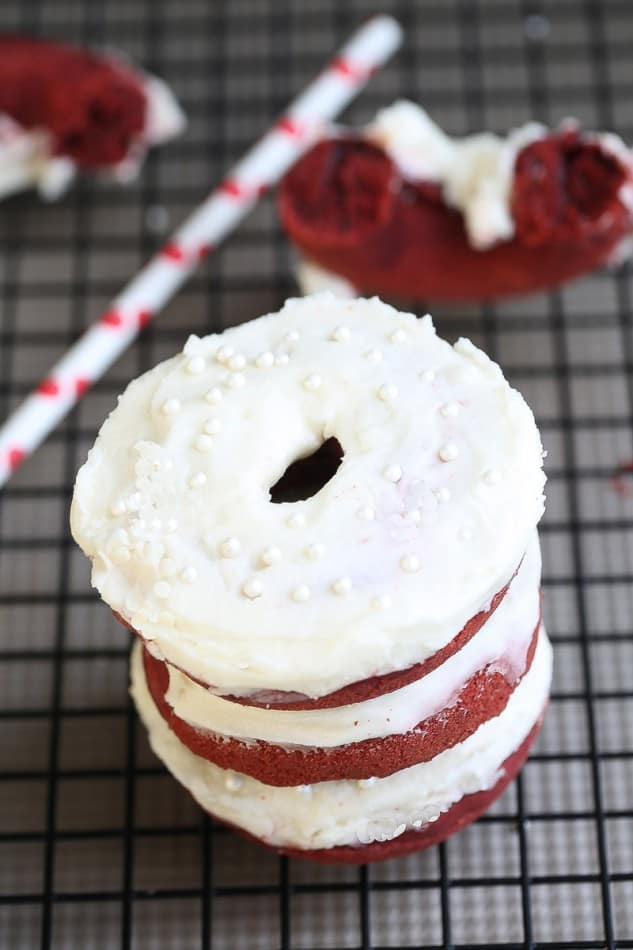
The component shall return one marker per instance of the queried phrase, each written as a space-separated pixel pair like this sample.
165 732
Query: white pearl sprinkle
415 515
282 359
366 513
168 567
492 476
312 382
197 480
236 380
236 362
195 366
156 524
291 337
342 586
374 355
301 593
393 473
224 354
315 551
170 407
410 563
231 547
427 376
270 555
233 782
297 520
398 336
253 588
162 589
171 525
134 502
265 360
204 443
188 575
341 334
366 782
450 409
442 494
118 507
212 426
214 396
388 392
382 602
448 452
121 554
465 534
121 536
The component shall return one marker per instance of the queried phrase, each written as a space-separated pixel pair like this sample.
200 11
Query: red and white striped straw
201 233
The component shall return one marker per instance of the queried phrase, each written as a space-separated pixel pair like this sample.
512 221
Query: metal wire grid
98 846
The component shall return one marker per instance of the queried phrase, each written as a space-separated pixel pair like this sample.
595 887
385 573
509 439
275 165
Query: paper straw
199 236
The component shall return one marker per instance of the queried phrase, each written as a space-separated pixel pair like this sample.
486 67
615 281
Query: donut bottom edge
458 816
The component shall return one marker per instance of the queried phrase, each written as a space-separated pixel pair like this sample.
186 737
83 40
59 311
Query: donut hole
306 476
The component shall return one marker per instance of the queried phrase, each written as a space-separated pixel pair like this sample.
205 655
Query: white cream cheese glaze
475 172
328 814
427 517
506 634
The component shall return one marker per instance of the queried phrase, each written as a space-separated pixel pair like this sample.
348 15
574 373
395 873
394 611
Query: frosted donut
424 520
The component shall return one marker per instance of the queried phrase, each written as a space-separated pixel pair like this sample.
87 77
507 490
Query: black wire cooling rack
99 847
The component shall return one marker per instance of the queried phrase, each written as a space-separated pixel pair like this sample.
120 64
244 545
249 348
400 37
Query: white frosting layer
506 635
427 517
26 159
475 172
348 812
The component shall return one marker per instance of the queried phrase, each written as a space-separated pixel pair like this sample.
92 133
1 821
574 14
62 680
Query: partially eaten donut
64 109
399 208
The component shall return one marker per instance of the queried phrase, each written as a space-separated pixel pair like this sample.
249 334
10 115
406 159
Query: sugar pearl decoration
188 575
162 589
231 547
315 551
374 356
297 520
233 782
224 354
382 602
492 476
170 407
414 516
448 452
265 360
212 426
214 397
393 473
301 593
398 336
442 494
291 337
388 392
118 508
312 382
198 480
366 513
465 534
171 525
204 443
236 381
410 563
236 362
270 555
341 334
195 366
450 409
253 588
134 502
427 376
342 586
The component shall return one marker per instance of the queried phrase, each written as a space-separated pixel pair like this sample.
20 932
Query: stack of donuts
322 527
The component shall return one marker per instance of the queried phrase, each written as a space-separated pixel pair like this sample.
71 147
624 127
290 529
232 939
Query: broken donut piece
64 109
399 208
